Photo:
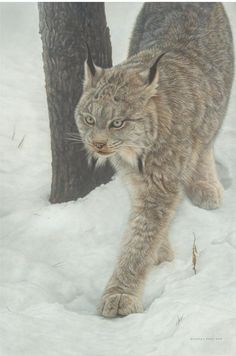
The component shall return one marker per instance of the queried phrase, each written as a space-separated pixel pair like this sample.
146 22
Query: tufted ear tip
152 78
89 61
91 71
153 73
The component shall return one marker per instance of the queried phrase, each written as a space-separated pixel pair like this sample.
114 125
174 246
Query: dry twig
179 319
194 254
21 142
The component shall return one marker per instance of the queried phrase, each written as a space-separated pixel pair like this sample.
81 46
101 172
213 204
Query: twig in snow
194 254
21 142
58 264
179 319
13 133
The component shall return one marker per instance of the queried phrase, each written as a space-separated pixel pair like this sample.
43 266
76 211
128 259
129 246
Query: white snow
55 259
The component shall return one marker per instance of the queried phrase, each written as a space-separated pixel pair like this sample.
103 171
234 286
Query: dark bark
64 28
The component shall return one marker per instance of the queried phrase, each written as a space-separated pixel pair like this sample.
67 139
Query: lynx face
115 113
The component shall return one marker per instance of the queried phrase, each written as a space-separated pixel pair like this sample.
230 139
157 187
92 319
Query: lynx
155 117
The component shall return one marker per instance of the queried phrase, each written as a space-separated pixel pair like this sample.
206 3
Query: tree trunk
65 28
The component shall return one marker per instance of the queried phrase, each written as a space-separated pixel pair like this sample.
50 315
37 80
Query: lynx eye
117 124
89 120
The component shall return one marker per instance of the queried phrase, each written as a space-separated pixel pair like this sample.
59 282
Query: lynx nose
99 145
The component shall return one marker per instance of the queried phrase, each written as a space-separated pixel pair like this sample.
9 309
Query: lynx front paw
206 195
113 305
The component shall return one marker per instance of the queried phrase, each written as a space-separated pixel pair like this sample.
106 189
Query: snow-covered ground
56 259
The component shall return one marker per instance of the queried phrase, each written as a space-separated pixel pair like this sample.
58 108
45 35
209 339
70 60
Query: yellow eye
89 120
117 124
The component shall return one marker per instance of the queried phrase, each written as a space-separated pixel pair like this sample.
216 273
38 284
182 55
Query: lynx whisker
73 134
135 146
73 140
115 144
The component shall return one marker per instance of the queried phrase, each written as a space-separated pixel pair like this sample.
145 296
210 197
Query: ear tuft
91 72
89 60
153 70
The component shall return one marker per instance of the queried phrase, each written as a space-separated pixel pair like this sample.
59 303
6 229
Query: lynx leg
164 253
204 188
150 216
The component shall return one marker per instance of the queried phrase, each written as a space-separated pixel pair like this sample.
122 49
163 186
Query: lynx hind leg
204 188
164 253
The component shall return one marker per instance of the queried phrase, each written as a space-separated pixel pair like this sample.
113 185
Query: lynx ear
91 72
153 76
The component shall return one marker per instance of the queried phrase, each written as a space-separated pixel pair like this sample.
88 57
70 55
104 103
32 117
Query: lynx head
115 114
